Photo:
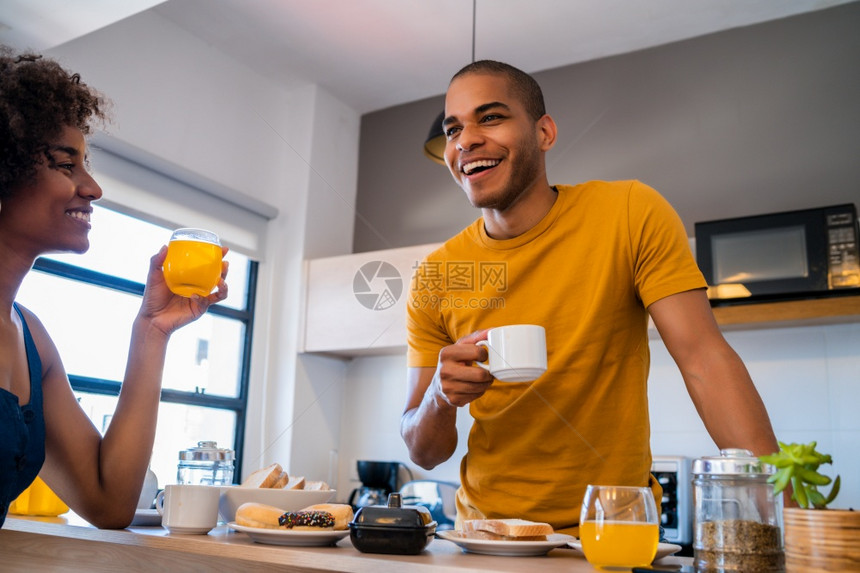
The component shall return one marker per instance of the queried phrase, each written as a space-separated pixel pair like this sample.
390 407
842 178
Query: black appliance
437 496
676 517
378 479
809 253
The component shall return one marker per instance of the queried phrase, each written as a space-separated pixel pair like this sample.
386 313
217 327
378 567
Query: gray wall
757 119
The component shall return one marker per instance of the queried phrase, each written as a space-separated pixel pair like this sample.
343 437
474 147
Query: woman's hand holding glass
182 276
193 262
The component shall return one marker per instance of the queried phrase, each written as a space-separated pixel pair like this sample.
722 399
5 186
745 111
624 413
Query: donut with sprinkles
291 519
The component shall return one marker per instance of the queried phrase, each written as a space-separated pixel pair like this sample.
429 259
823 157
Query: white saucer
519 374
188 530
505 548
663 549
146 518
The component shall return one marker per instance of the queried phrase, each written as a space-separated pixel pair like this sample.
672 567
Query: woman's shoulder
33 322
44 344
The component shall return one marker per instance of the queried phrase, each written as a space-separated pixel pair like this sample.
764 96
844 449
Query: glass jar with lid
207 464
738 520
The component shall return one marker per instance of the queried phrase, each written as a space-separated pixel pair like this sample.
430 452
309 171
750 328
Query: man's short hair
524 86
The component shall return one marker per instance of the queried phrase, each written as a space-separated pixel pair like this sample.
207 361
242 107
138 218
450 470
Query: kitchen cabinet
356 304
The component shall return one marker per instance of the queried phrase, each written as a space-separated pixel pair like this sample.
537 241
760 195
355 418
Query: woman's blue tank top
22 431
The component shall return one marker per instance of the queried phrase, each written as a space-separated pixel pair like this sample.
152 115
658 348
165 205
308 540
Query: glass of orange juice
619 526
193 262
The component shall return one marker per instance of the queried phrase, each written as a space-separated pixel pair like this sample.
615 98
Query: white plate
289 537
663 549
146 518
505 548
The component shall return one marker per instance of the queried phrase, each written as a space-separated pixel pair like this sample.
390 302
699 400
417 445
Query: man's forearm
430 431
731 408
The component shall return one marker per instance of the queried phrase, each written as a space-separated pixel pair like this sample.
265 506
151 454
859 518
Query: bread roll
509 529
334 516
264 477
260 515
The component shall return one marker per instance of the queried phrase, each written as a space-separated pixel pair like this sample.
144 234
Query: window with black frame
88 303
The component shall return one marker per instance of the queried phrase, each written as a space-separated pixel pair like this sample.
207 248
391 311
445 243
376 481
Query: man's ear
547 131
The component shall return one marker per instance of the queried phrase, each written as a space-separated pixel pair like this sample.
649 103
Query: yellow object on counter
38 499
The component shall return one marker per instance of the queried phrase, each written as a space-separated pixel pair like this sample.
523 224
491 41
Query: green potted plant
817 538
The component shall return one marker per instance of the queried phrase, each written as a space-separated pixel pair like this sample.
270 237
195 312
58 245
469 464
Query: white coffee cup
516 353
186 508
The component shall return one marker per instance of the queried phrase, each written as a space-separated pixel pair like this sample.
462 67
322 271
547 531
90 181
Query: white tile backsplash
790 369
846 463
689 444
843 371
808 377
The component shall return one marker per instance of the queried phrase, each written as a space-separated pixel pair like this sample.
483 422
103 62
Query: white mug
186 508
516 353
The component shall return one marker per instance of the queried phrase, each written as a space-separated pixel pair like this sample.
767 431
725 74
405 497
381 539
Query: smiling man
588 262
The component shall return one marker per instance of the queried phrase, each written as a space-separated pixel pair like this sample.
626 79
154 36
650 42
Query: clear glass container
738 520
207 464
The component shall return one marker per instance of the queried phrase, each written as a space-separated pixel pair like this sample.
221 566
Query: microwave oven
809 253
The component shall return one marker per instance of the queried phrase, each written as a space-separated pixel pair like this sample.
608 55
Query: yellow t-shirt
586 272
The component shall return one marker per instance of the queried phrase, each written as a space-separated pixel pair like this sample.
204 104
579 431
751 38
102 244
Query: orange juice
38 499
192 267
619 543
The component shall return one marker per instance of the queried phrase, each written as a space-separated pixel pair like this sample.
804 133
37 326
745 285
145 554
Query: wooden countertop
69 544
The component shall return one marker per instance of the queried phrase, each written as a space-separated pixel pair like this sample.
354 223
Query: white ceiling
374 54
42 24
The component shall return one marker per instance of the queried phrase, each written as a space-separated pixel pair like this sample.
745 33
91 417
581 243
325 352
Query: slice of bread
264 477
295 482
494 537
317 486
282 480
508 528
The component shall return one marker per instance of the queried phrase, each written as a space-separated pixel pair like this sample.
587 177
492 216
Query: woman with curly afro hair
46 192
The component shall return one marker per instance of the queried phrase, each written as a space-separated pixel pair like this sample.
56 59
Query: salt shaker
738 520
207 464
